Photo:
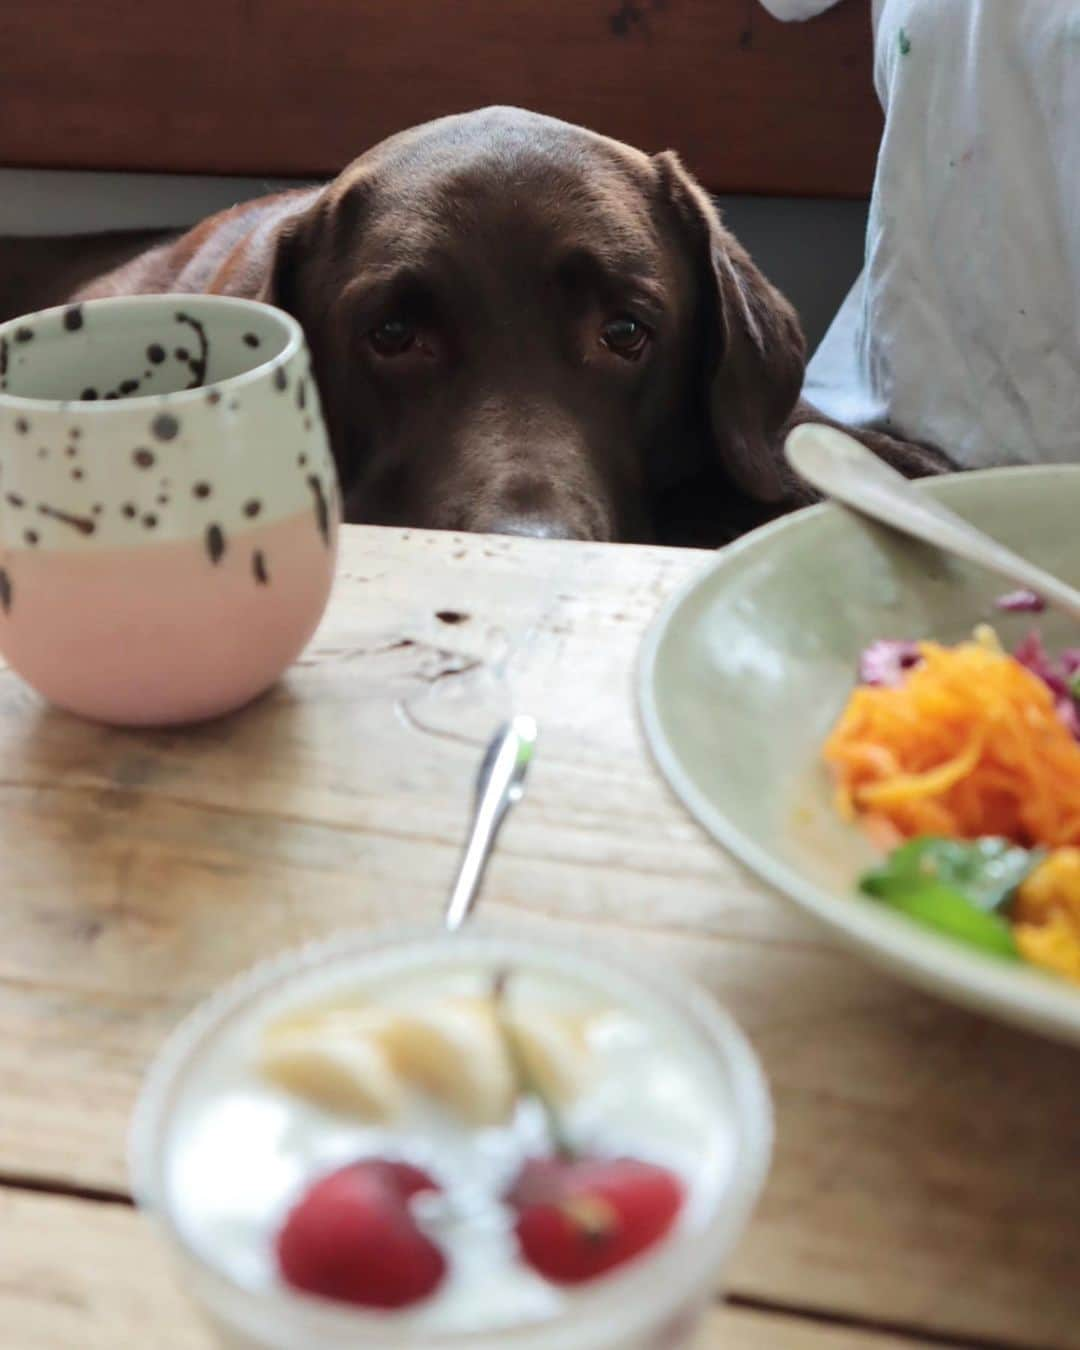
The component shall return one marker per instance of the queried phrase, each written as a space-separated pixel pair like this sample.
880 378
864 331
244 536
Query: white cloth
964 327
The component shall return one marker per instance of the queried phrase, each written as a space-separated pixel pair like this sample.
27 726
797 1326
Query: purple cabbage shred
1021 602
1058 675
885 662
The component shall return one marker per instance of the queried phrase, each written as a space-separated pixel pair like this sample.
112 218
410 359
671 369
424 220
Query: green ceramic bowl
746 670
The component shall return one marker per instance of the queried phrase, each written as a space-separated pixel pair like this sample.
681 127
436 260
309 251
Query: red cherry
353 1238
404 1177
579 1219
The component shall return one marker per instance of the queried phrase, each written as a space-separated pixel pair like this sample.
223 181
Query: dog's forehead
510 136
514 179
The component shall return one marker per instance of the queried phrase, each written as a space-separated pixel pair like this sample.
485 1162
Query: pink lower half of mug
165 634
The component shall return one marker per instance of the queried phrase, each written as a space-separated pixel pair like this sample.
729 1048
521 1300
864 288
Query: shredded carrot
969 745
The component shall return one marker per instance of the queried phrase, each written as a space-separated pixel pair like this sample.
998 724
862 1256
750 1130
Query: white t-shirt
964 327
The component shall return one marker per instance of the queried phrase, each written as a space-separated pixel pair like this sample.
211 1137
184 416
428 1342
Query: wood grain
113 1288
226 86
925 1167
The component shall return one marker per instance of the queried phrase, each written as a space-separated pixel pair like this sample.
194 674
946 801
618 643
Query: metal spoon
500 784
843 469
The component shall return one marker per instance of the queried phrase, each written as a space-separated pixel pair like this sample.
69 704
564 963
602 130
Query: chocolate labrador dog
517 326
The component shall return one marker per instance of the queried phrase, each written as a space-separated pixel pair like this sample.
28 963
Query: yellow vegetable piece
1046 914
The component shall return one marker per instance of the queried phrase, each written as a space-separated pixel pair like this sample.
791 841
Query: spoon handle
839 466
500 784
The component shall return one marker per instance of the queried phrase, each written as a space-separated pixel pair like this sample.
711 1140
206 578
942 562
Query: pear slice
553 1052
454 1050
334 1060
363 1060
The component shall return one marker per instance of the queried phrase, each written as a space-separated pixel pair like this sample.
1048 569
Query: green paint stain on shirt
905 42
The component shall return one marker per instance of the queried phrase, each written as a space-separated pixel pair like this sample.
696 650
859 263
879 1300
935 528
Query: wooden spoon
839 466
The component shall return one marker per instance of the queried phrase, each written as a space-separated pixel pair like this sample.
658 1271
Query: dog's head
520 326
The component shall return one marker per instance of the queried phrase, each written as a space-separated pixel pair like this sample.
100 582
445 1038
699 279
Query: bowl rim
1016 993
293 342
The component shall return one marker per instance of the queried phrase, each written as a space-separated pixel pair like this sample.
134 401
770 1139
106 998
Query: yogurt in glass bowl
473 1141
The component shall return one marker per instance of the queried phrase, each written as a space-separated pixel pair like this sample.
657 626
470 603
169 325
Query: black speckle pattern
196 364
252 339
165 427
451 616
13 499
81 523
6 593
73 318
215 543
322 507
3 357
24 334
164 438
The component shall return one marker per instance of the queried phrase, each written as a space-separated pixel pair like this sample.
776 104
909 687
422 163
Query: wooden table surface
925 1188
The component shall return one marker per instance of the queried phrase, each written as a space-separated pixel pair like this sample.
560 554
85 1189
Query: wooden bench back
298 87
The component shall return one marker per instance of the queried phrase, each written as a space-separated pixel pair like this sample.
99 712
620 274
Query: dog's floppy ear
754 353
255 262
308 248
278 259
286 245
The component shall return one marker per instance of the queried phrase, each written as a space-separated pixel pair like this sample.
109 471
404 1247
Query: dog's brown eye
392 337
624 335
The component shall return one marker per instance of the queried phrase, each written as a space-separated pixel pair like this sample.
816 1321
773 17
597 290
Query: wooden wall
298 87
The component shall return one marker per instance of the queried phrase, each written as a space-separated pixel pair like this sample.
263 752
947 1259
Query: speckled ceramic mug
168 504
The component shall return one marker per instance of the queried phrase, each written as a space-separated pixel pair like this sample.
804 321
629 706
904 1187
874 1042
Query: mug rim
294 341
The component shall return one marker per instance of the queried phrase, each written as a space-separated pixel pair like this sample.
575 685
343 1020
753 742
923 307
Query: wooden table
926 1187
